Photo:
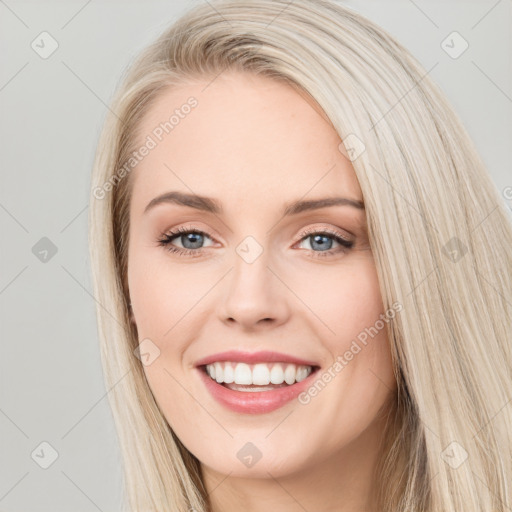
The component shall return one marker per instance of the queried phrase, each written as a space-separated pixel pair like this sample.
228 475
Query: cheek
349 317
162 294
165 305
344 299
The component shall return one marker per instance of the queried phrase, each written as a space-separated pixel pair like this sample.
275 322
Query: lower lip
257 402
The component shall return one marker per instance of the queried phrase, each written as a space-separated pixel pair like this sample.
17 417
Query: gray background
51 387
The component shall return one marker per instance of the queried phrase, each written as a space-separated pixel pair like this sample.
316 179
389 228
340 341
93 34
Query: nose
254 298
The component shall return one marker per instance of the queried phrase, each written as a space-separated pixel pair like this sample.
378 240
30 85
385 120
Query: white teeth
260 374
229 373
302 373
243 374
277 374
289 374
219 372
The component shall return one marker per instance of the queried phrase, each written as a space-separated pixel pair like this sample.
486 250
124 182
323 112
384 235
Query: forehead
246 137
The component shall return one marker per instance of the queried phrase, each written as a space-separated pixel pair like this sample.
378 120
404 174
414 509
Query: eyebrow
210 205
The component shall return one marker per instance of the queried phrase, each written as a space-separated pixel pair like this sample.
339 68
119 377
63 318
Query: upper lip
264 356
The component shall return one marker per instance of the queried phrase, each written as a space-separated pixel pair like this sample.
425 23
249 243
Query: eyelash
165 242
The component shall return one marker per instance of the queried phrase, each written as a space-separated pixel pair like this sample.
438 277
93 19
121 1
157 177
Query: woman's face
300 282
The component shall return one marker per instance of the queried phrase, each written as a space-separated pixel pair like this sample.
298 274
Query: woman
303 273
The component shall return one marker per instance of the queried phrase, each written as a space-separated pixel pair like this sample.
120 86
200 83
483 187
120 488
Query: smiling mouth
269 386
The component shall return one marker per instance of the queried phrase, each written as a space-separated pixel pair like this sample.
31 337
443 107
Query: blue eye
192 241
323 241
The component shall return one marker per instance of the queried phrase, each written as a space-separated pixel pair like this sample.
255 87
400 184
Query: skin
254 145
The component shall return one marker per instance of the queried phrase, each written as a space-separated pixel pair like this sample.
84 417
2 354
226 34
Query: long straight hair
438 228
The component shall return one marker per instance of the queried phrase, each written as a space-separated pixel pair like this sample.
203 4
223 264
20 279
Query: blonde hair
439 232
